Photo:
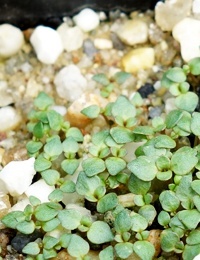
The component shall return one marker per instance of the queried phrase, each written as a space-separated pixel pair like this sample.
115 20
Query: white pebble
5 97
170 105
11 40
70 83
197 257
9 118
60 109
47 44
187 33
40 190
21 204
103 44
17 176
196 6
87 20
72 37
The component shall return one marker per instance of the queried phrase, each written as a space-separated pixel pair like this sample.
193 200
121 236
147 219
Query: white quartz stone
11 40
47 44
87 20
17 176
103 44
70 83
196 6
187 33
40 190
9 118
72 37
6 95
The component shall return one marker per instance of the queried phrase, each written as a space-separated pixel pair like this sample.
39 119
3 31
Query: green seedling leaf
190 218
100 233
68 187
38 130
47 211
100 137
42 116
34 201
173 117
12 219
26 227
49 253
194 237
138 186
121 76
164 141
169 201
184 191
148 212
56 195
139 223
65 239
124 250
196 201
41 164
143 168
166 82
194 66
75 133
163 218
50 176
164 175
137 100
70 145
168 239
55 120
78 247
108 202
123 108
121 135
195 123
33 146
92 111
179 164
31 248
53 147
176 75
187 101
107 253
70 165
190 252
115 165
163 163
196 186
70 218
43 101
50 225
139 200
123 222
93 166
143 130
144 249
101 78
49 242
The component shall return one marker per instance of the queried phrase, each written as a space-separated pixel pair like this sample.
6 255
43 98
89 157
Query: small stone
9 118
154 239
72 37
70 83
47 44
11 40
138 59
171 12
88 48
133 32
103 44
33 88
6 96
87 20
170 105
16 176
146 90
117 43
155 111
4 204
196 6
187 33
40 189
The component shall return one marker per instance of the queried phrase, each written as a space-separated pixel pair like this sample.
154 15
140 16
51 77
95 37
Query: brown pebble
154 238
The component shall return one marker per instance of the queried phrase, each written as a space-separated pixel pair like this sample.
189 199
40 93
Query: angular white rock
40 190
9 118
47 44
21 204
17 176
70 83
87 20
72 37
196 7
103 44
11 40
187 33
133 32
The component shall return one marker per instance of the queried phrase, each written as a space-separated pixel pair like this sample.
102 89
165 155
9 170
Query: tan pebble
16 153
4 204
74 115
138 59
154 238
63 255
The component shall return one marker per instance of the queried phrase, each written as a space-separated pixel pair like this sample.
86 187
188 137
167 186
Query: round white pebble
47 44
87 20
9 118
11 40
